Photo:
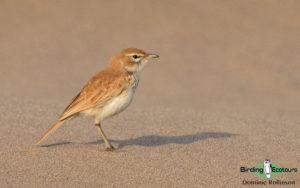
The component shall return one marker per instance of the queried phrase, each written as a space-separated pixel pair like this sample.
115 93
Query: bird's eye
135 56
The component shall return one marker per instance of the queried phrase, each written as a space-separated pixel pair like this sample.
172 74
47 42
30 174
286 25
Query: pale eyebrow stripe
135 54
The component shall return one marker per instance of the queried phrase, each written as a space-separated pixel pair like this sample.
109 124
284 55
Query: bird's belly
117 104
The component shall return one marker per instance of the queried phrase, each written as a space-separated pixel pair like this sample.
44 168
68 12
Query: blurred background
225 91
214 54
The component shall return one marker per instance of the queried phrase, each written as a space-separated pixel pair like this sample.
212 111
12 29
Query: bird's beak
150 56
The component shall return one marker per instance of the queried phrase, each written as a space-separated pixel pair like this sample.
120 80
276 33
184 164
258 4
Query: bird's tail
52 129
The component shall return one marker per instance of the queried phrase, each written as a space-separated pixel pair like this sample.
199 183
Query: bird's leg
109 147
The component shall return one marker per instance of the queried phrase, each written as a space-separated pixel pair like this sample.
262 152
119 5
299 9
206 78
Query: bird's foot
110 148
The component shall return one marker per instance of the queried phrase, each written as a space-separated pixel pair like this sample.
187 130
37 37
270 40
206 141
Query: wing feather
100 89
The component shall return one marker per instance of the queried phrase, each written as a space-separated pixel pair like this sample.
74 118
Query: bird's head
132 60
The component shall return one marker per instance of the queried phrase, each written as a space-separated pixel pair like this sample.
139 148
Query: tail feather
52 129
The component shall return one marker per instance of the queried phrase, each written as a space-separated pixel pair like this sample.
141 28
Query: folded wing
100 89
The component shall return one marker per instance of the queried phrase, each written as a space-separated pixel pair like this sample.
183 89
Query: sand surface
225 92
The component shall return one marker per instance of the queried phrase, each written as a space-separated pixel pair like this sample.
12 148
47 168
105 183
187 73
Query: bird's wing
100 89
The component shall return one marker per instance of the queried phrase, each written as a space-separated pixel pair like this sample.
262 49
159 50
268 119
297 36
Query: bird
107 93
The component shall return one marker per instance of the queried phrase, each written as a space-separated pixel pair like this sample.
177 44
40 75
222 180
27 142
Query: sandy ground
224 94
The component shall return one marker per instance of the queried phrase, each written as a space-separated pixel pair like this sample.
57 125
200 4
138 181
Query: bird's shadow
157 140
56 144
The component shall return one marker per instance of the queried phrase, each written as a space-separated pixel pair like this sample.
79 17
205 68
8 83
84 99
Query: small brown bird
109 92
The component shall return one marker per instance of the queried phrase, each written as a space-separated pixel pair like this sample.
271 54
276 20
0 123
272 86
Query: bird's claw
110 148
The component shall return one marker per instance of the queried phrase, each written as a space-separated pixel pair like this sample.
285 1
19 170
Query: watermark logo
268 170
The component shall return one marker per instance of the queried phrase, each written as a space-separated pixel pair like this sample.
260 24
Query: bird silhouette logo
267 168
